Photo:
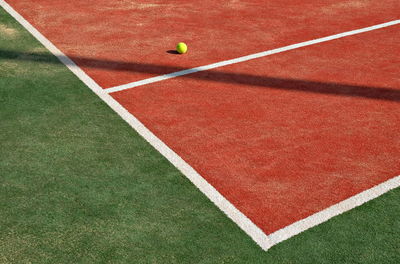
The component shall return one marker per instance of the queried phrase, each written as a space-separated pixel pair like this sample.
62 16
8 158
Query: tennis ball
181 48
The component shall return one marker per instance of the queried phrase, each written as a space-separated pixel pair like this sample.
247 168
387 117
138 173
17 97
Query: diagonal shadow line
377 93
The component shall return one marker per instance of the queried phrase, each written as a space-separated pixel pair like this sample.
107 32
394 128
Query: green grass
78 185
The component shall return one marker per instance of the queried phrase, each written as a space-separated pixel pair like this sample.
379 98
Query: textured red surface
123 41
288 135
281 137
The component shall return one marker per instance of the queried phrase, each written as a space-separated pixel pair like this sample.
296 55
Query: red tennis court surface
288 135
281 137
117 42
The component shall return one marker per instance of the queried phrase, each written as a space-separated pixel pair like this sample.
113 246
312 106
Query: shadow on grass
377 93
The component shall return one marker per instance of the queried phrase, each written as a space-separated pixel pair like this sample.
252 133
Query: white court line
263 240
334 210
249 57
220 201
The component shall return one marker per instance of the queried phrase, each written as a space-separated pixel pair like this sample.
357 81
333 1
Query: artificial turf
78 185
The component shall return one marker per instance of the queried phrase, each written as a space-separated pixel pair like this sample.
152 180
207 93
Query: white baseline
249 57
263 240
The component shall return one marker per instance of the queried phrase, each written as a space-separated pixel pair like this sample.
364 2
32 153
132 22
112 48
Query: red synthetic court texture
117 42
285 136
281 137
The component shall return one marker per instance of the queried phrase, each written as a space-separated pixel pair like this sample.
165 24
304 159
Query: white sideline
249 57
263 240
224 205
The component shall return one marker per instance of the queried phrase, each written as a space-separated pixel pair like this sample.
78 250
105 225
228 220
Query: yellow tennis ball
181 48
